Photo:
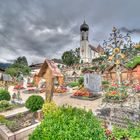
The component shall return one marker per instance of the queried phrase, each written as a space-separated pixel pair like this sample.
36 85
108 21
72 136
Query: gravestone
25 81
119 115
7 77
92 81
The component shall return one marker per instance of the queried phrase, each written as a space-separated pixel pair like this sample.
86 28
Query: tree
71 57
20 65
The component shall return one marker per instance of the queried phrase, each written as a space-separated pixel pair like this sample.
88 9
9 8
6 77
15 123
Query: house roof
114 65
2 70
35 66
52 65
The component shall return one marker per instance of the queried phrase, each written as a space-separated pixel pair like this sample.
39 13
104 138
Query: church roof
98 49
84 27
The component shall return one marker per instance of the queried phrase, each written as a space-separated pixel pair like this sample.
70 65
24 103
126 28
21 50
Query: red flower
107 132
114 85
114 92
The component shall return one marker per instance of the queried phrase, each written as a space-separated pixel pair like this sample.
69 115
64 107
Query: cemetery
105 94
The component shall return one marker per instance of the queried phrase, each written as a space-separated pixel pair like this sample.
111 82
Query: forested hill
4 65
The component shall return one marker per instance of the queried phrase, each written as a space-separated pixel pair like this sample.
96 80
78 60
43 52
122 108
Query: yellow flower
122 56
117 62
116 50
110 57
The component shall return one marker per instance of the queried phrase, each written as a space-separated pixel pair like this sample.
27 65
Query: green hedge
4 95
67 123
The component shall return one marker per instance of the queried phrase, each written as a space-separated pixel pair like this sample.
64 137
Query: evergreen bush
34 103
67 123
4 95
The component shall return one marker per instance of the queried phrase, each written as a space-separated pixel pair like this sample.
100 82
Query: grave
92 81
119 116
92 87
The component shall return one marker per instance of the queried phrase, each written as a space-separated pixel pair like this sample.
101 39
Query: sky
40 29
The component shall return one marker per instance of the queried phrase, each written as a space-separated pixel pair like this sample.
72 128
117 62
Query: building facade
87 51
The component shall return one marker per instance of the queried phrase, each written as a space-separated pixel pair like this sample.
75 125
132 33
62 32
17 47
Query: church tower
85 51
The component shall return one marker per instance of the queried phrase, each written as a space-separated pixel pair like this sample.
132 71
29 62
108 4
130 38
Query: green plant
49 107
135 61
4 95
81 80
132 132
69 123
2 118
73 84
5 105
105 82
12 125
34 103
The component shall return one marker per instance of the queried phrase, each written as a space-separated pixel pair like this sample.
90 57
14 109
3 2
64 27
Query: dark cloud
45 28
124 29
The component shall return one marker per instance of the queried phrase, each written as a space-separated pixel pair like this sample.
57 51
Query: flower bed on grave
30 85
116 94
31 90
18 121
137 89
132 132
85 94
18 87
60 89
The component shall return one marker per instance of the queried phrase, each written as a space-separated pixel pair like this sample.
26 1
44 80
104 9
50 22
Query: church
87 51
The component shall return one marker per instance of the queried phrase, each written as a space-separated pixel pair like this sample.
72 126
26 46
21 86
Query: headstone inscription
119 116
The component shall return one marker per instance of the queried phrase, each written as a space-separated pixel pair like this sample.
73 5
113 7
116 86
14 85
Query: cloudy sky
40 29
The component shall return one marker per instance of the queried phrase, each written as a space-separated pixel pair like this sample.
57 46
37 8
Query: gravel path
60 99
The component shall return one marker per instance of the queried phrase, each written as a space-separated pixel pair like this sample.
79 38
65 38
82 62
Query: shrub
4 95
132 132
5 105
34 103
134 62
81 80
105 82
69 123
49 107
2 118
73 84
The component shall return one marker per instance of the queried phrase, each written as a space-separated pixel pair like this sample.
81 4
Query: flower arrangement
29 85
115 92
137 89
83 92
60 89
18 86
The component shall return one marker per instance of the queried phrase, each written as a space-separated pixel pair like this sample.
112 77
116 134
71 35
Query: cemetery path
60 99
66 99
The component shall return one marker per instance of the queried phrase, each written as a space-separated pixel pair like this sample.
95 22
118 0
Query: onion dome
84 27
